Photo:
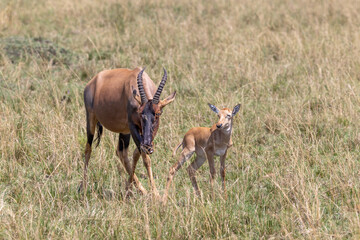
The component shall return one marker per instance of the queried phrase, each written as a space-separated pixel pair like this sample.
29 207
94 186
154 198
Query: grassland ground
294 169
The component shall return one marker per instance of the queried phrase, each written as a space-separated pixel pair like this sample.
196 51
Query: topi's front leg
133 178
147 163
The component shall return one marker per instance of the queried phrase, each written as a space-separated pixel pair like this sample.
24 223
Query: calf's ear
212 107
236 109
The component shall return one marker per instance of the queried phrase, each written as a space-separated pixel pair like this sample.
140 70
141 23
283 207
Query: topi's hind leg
195 165
90 131
185 155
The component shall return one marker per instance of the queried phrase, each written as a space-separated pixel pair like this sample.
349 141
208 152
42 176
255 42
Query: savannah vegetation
293 171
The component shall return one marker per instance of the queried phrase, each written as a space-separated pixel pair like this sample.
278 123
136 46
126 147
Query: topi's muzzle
146 149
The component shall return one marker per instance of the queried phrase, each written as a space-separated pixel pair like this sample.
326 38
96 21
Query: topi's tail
99 133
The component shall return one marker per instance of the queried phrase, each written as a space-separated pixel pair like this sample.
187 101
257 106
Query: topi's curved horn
141 86
156 98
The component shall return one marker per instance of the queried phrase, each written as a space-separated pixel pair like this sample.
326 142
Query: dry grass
294 169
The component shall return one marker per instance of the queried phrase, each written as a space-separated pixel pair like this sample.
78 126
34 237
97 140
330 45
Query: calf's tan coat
206 143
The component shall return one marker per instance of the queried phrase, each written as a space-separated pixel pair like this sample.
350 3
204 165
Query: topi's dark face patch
150 118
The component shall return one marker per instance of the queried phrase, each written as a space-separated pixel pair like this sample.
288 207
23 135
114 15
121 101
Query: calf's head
225 116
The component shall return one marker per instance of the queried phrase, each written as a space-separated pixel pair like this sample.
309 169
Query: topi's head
150 111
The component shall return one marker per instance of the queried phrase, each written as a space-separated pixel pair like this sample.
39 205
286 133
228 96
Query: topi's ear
167 100
136 96
212 107
236 109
